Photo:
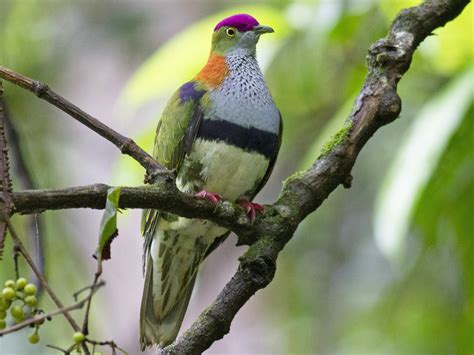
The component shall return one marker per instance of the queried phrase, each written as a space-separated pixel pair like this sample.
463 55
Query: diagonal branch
126 145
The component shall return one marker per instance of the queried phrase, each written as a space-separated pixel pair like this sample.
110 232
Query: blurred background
385 267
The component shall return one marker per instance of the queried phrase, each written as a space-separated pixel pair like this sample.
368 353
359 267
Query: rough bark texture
5 181
377 104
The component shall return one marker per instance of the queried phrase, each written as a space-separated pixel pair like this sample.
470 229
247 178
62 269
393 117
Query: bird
220 133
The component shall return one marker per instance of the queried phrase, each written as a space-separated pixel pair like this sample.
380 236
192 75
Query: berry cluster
20 298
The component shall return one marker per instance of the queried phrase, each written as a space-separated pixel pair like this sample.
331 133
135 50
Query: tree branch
163 196
377 104
126 145
5 181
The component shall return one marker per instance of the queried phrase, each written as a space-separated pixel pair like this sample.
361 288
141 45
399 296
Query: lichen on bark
337 139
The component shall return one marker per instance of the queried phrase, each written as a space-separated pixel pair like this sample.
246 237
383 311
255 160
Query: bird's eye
230 32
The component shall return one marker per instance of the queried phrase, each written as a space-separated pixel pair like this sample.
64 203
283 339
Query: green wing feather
172 131
175 133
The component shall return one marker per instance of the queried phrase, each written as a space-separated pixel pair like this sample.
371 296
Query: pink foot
211 196
251 208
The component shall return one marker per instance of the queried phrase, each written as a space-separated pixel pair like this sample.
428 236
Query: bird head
237 32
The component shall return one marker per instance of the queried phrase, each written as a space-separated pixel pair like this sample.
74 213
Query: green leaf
108 225
417 159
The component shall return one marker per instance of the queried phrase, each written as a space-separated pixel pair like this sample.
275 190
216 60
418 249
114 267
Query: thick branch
126 145
377 104
163 196
5 181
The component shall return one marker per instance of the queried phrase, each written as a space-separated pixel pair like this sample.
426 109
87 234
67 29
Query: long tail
172 258
153 328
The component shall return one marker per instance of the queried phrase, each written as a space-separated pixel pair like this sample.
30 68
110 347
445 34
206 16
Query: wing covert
175 134
178 125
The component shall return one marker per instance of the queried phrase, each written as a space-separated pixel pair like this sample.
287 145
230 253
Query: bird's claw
211 196
251 208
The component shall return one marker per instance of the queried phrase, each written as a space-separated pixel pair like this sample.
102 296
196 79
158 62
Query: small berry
78 337
31 301
4 304
18 313
21 283
8 293
10 283
33 338
3 314
3 324
30 290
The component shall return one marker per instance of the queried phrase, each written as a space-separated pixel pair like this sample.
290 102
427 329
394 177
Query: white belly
228 170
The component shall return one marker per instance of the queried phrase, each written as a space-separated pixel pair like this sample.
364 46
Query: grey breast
243 98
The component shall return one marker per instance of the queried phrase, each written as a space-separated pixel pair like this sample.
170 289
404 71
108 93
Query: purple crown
241 22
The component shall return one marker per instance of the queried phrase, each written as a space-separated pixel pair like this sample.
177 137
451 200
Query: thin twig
16 255
64 351
77 293
85 324
38 274
45 316
110 343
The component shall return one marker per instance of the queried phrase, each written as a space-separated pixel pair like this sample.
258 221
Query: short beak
262 29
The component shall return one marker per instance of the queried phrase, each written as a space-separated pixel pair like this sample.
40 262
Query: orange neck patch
214 72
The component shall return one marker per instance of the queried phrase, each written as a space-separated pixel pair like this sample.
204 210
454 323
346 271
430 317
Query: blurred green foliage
336 290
